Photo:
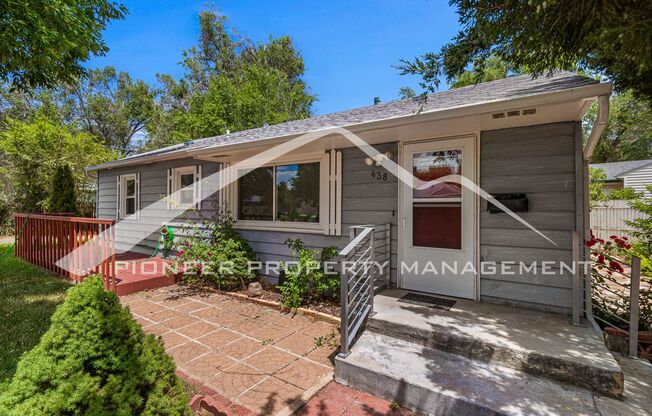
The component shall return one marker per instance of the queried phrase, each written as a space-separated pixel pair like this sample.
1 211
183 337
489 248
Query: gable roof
494 91
616 170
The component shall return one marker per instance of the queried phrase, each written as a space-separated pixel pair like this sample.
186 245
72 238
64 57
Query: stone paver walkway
338 400
250 355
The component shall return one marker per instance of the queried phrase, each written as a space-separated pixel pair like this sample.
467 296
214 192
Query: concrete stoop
440 383
605 378
481 359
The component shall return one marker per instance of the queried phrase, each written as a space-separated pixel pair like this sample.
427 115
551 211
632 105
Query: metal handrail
356 285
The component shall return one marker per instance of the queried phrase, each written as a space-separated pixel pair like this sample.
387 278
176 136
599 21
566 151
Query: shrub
643 226
216 253
306 279
95 359
63 194
607 270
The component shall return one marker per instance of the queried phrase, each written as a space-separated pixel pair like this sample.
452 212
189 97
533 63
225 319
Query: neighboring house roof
617 170
494 91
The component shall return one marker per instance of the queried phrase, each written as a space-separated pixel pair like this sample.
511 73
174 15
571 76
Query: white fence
609 219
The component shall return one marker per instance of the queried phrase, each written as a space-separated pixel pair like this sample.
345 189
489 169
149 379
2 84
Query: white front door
439 220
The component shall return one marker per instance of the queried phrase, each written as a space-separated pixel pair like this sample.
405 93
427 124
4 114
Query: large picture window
283 193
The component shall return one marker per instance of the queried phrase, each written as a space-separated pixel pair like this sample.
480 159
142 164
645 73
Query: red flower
613 237
601 259
625 238
616 266
180 253
628 246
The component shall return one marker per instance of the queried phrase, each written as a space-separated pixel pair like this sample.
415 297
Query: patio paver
241 352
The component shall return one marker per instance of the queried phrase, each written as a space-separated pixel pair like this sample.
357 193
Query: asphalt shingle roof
615 170
503 89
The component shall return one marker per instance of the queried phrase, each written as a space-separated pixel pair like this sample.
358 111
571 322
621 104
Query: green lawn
28 297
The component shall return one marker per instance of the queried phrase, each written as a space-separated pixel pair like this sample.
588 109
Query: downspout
598 127
583 298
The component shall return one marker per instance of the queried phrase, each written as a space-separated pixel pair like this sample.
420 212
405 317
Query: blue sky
348 47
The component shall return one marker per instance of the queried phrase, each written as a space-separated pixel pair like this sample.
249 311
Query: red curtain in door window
437 225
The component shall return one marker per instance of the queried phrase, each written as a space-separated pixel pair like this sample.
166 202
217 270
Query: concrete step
535 342
439 383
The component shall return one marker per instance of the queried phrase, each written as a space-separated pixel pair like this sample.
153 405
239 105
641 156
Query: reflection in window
429 166
297 192
255 191
186 195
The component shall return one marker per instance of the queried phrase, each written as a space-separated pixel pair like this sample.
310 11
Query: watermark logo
130 231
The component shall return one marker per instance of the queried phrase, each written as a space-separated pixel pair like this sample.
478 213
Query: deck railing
43 239
357 284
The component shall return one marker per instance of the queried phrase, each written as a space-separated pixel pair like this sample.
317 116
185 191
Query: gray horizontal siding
365 200
540 162
153 187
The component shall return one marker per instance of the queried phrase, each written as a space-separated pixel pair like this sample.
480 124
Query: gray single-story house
443 341
519 137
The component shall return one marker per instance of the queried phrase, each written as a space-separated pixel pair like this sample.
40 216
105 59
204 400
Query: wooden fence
609 219
43 239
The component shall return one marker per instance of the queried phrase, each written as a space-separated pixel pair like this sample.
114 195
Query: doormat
429 301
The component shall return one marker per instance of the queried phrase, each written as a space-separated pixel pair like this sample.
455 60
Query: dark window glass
297 192
255 193
131 187
131 206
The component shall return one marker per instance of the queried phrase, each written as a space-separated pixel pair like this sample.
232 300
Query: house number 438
380 176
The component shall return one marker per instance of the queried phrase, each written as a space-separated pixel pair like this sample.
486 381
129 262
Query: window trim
122 203
275 225
175 185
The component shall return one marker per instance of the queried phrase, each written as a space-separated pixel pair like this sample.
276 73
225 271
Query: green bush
63 193
216 253
95 360
306 278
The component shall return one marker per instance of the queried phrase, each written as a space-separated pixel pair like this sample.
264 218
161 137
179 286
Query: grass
28 298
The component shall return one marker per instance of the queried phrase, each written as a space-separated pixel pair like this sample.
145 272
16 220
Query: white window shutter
197 186
169 190
117 197
137 204
334 192
338 193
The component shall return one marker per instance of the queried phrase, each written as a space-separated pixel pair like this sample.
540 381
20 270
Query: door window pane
429 166
187 179
297 192
437 225
130 207
255 193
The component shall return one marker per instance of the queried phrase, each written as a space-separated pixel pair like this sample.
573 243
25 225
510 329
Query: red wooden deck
136 272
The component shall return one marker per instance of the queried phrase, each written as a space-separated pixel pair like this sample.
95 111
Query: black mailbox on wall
515 202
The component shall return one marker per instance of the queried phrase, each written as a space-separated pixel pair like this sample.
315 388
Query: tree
32 151
406 92
596 186
643 226
610 38
95 360
44 44
63 191
230 84
628 135
494 69
111 106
